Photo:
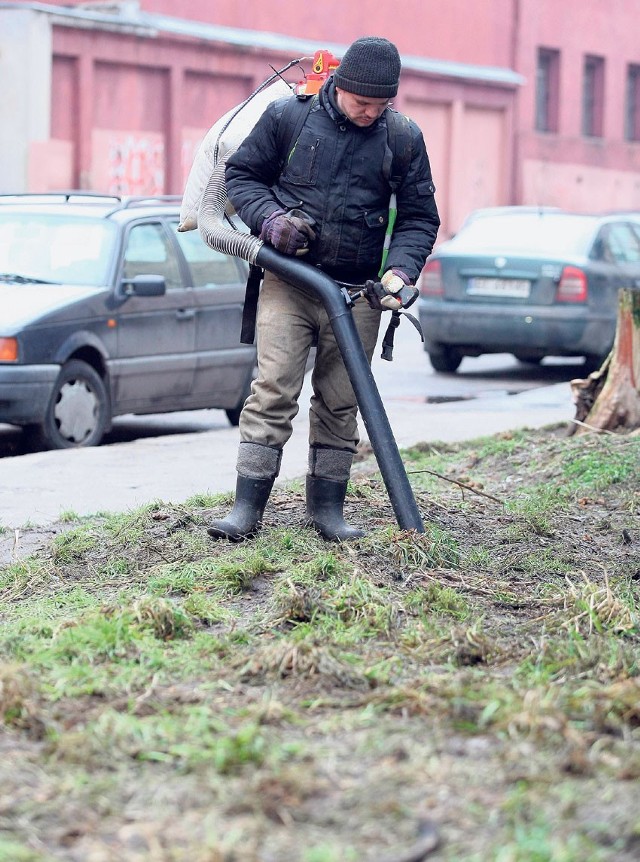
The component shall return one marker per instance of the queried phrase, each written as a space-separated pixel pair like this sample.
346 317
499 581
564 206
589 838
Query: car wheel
593 362
233 414
528 360
79 412
445 359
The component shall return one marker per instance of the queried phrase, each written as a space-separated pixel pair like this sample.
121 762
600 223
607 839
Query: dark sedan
106 309
529 282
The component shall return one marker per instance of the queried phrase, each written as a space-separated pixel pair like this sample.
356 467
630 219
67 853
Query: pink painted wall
481 138
135 111
429 28
566 169
129 99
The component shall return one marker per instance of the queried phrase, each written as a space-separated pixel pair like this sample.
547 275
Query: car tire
79 411
445 359
528 360
593 362
233 414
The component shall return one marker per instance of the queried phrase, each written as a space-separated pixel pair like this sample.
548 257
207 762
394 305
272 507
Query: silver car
106 309
531 282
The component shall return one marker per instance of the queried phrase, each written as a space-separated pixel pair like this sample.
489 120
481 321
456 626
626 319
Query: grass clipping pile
470 693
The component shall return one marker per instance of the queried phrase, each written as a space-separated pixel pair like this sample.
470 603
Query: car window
538 234
620 244
149 252
59 249
208 266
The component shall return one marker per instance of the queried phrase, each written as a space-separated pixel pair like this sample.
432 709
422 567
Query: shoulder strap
399 140
293 118
395 166
250 308
296 111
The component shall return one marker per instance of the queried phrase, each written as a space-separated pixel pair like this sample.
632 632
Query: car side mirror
144 285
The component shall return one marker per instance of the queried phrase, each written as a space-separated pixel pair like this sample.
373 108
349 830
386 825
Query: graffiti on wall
128 163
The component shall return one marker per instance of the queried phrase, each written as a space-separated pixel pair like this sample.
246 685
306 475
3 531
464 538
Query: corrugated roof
129 18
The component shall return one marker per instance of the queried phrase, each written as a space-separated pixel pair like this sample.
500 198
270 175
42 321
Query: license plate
514 288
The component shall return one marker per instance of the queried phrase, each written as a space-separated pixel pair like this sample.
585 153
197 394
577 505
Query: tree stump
609 399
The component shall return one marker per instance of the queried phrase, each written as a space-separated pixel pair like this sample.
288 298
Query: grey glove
400 292
392 292
288 232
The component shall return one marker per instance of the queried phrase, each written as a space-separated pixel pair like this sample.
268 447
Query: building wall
562 169
143 107
128 112
121 109
429 28
466 130
565 168
25 95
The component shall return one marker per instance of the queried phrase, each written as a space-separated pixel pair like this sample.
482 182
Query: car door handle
186 313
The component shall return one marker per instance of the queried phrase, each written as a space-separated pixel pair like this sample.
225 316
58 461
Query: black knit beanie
370 67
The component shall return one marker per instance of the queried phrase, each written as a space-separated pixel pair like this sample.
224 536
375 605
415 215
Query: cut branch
459 484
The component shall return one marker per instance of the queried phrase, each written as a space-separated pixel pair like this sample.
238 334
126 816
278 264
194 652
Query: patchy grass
167 697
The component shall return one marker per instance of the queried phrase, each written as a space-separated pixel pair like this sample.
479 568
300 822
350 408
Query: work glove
288 232
392 292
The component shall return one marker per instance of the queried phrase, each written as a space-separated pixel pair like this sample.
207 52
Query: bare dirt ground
472 693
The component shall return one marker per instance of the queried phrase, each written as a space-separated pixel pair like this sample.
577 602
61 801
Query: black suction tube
369 401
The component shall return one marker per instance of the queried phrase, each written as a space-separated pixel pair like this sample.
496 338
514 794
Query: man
328 198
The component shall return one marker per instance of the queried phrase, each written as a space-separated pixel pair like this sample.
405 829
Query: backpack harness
395 165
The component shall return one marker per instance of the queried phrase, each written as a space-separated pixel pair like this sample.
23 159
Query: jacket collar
329 101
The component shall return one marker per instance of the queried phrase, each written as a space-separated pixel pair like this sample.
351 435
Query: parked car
106 309
529 282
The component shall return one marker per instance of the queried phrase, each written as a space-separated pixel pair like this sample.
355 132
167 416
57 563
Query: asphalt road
176 456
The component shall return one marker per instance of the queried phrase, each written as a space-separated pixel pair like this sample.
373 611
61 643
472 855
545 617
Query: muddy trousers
289 322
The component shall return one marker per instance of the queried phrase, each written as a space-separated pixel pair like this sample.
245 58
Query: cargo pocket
425 188
374 226
304 159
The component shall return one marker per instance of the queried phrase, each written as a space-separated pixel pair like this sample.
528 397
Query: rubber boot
327 480
257 468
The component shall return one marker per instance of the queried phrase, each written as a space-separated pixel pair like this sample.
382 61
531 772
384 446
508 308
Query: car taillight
430 282
572 286
8 350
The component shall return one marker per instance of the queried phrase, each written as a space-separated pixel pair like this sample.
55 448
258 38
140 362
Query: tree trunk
609 399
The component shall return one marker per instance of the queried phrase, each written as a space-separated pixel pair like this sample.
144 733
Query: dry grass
467 693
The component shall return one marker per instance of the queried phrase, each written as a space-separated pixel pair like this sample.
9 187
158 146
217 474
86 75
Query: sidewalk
38 488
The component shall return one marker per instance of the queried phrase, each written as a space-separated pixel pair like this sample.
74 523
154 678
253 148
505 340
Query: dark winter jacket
334 174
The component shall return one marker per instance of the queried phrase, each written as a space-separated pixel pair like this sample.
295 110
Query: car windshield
57 249
549 235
